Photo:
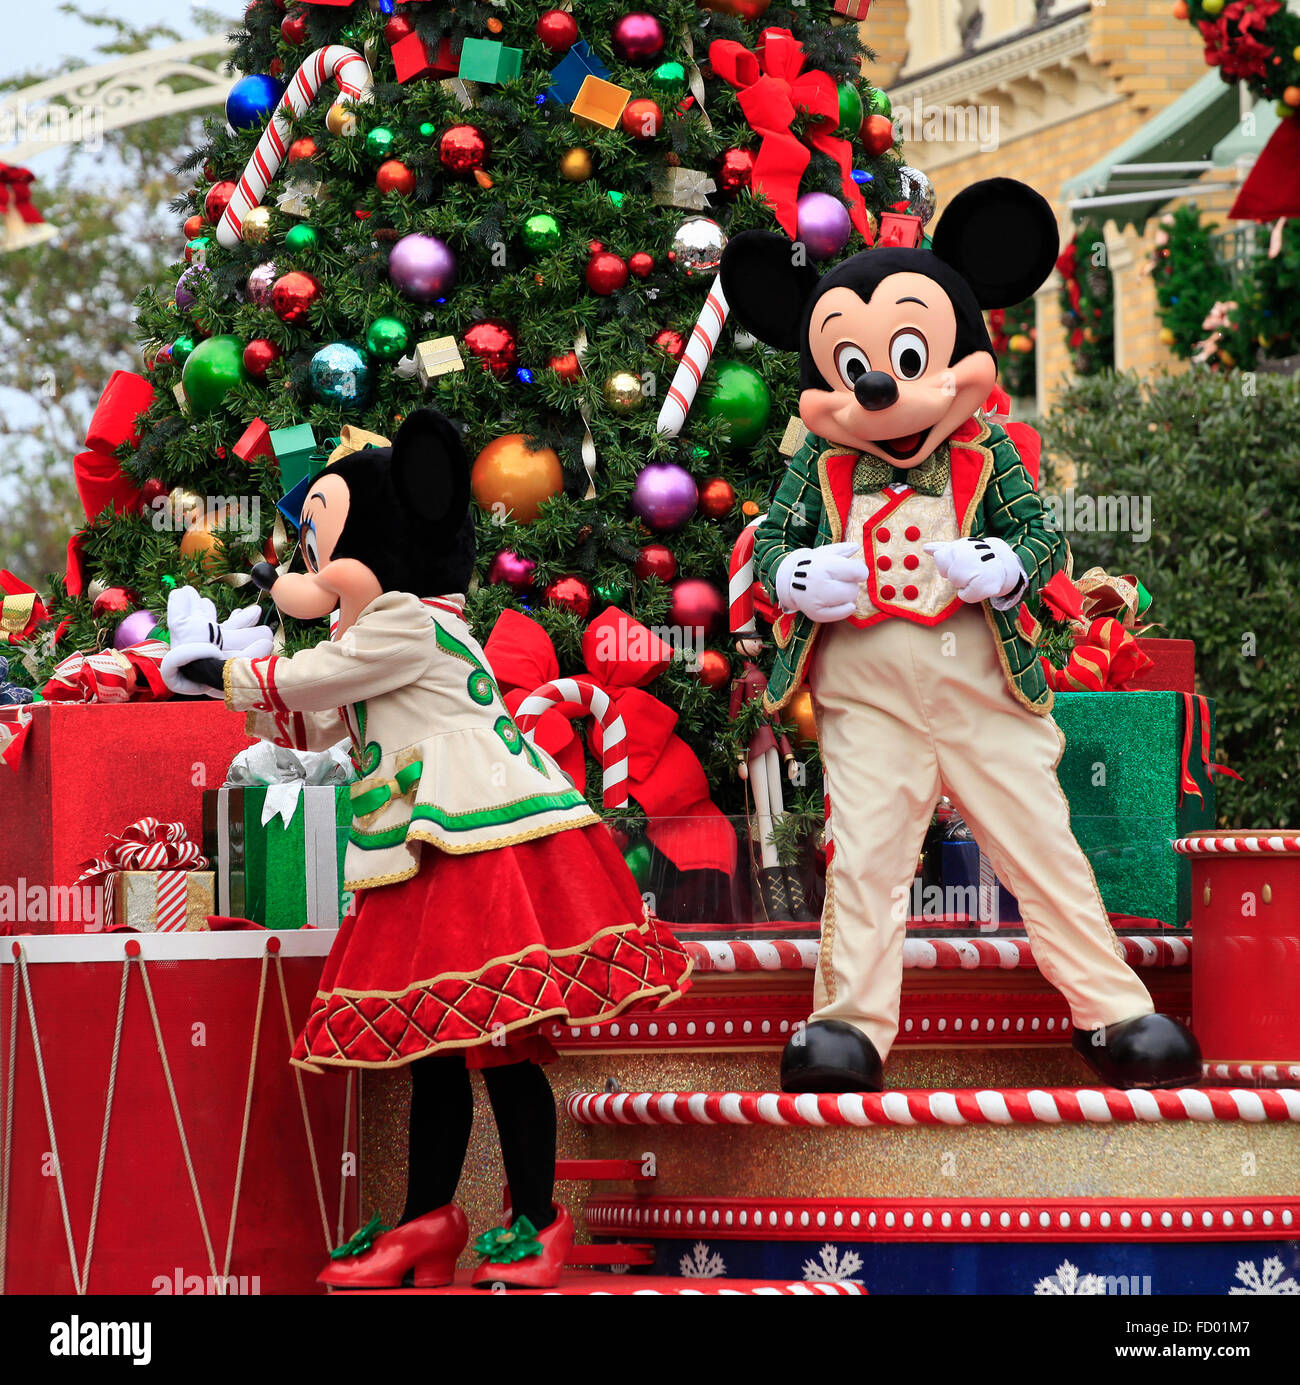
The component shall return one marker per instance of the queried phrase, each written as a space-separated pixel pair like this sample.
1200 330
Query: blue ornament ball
252 99
340 374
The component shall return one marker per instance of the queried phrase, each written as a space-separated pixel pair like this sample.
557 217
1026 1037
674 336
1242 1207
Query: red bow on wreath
773 88
664 774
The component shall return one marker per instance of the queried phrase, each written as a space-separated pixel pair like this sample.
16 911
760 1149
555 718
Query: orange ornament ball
1180 9
717 497
713 669
1291 96
567 366
198 542
877 134
394 176
799 713
508 477
642 118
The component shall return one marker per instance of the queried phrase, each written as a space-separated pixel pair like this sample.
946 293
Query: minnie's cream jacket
440 759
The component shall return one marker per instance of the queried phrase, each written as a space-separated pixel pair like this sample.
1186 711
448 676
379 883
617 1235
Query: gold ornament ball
799 713
873 221
509 477
1021 344
1167 337
622 392
184 505
257 225
199 543
576 165
341 119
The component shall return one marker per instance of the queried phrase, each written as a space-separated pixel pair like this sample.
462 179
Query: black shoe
831 1056
801 911
1149 1051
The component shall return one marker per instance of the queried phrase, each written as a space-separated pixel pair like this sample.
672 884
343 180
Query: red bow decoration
664 774
99 475
1106 655
145 845
772 88
1196 737
113 675
21 610
16 183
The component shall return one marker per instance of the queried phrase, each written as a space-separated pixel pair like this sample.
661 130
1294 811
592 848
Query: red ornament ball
293 294
397 28
671 343
656 560
713 669
302 148
193 226
567 366
642 118
717 498
697 605
394 176
877 134
494 343
217 200
641 264
277 67
152 490
573 593
463 148
210 170
606 272
514 571
258 355
293 29
735 171
557 30
638 37
113 600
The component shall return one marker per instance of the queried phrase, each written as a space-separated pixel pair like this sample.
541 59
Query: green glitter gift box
1122 771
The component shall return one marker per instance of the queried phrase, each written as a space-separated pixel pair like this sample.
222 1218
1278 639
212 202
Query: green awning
1189 130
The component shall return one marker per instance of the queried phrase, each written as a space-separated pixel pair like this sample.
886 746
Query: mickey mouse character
902 542
492 900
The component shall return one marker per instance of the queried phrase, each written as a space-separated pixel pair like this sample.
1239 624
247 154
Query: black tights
442 1112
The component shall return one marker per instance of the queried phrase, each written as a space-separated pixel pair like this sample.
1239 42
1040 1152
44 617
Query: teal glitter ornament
340 374
379 141
300 237
739 400
541 234
181 349
387 338
669 77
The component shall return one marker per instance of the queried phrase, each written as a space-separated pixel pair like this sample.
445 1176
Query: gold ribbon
693 79
354 440
16 612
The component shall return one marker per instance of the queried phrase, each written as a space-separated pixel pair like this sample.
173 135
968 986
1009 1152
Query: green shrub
1219 458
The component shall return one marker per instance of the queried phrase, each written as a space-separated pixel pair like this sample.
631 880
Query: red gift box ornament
149 845
772 89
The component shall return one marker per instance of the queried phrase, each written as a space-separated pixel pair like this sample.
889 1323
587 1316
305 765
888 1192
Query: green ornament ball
638 862
181 349
611 593
879 103
213 369
168 582
379 141
387 338
427 129
300 237
741 400
669 77
541 234
850 109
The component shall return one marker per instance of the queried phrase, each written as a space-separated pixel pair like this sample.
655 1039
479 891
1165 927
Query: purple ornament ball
638 37
665 496
259 285
422 267
824 225
185 285
134 629
514 571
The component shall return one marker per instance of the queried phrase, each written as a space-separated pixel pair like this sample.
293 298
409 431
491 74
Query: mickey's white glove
981 570
195 634
821 582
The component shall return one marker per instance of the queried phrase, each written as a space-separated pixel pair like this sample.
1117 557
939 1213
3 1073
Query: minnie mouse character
903 542
492 900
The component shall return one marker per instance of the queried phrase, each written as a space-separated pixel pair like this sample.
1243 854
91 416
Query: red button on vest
886 593
885 563
909 593
883 535
912 533
911 562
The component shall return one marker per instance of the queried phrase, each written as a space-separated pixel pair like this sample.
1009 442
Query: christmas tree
515 218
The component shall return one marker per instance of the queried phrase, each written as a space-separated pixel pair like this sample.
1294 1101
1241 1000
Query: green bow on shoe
506 1245
360 1241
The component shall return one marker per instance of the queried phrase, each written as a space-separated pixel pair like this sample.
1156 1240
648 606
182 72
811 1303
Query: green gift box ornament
295 449
484 60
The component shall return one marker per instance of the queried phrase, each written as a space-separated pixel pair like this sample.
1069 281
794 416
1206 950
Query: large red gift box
257 1206
89 770
1173 666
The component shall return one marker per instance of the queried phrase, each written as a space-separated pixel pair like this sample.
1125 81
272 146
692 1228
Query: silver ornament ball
697 246
919 192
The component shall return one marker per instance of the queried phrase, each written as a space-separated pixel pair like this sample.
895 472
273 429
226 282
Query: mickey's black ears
767 284
1000 236
429 470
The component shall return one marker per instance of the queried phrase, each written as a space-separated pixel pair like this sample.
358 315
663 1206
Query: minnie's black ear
429 469
767 283
1000 236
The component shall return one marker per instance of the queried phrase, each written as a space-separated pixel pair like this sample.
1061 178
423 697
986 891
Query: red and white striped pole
694 362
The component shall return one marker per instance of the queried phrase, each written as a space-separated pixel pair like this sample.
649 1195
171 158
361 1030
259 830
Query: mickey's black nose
875 390
263 576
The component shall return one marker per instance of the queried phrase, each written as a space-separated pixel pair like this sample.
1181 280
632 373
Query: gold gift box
135 900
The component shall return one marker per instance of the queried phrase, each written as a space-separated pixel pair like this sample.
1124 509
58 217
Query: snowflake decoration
1267 1281
1067 1280
834 1267
702 1263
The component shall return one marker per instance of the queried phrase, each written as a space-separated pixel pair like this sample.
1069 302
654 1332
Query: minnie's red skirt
476 953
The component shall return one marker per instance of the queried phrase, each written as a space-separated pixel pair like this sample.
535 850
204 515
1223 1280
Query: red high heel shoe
540 1271
426 1248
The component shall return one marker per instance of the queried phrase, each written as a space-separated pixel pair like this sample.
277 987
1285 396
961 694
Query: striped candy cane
352 73
596 701
694 361
740 585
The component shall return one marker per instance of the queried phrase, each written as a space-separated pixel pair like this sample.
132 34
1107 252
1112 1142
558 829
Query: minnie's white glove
821 582
981 570
195 633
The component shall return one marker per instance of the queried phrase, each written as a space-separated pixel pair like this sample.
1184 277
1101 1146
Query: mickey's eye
908 354
851 362
309 549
